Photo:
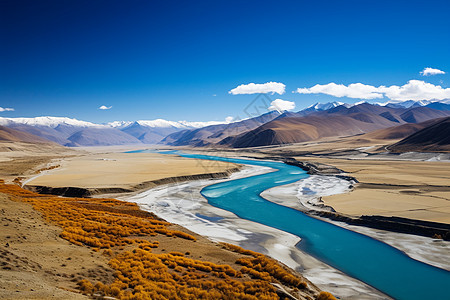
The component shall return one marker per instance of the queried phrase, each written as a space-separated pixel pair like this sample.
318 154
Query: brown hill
295 130
13 135
433 138
75 136
216 133
400 131
338 121
422 114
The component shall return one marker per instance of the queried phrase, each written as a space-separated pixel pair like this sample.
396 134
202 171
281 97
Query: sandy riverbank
110 172
171 254
409 189
94 224
182 204
425 249
410 185
20 160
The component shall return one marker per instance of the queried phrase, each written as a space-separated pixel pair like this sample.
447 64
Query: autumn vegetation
326 296
127 236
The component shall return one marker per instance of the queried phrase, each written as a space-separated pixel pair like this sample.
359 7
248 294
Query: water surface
376 263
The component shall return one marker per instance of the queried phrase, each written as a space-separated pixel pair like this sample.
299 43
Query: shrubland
128 236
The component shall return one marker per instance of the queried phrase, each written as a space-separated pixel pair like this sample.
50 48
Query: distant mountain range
272 128
393 104
315 122
325 106
72 132
432 138
217 134
12 135
153 131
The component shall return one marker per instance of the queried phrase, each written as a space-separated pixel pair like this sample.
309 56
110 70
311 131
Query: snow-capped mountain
405 104
324 106
73 132
356 103
393 104
119 124
161 123
70 132
153 131
201 124
52 122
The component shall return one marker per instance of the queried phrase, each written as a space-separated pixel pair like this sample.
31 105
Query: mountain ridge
337 121
361 117
215 133
13 135
72 132
432 138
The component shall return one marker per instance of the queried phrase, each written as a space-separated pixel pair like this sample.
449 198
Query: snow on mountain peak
405 104
158 123
161 123
56 121
48 121
325 106
119 124
201 124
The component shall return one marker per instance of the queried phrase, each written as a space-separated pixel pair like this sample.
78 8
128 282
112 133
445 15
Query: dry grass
128 237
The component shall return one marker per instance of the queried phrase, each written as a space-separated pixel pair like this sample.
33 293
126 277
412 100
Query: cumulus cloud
413 90
103 107
431 71
6 109
257 88
281 105
416 90
354 90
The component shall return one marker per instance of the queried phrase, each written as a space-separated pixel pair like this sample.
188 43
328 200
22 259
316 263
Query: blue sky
179 60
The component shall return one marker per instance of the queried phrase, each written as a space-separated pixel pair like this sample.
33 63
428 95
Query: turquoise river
371 261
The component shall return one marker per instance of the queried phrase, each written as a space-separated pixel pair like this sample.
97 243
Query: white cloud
281 105
6 109
229 119
416 90
257 88
413 90
103 107
431 71
354 90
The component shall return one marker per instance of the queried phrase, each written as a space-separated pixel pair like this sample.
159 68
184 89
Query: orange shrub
325 296
140 274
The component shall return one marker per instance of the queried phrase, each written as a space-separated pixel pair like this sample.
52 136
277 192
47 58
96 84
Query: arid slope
338 121
148 258
13 135
433 138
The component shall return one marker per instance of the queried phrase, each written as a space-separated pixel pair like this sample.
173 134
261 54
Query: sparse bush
140 274
325 296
